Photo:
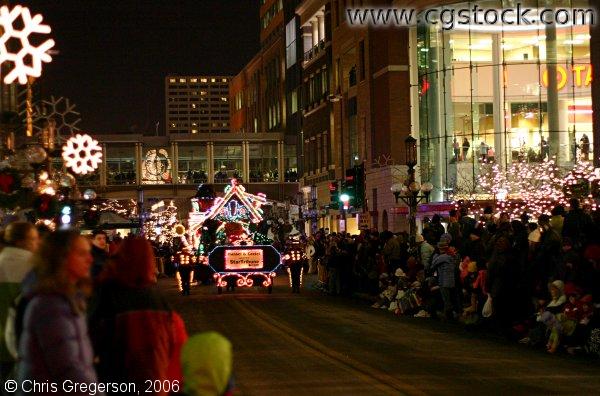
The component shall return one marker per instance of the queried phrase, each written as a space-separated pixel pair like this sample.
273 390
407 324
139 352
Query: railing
314 51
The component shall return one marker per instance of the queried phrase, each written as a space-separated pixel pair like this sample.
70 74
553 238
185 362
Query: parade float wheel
270 289
219 290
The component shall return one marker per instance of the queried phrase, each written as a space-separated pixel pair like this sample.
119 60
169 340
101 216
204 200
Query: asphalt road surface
312 344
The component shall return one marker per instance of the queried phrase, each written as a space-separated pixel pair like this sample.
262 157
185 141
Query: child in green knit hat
207 363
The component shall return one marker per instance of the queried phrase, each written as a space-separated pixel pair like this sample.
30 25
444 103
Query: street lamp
411 192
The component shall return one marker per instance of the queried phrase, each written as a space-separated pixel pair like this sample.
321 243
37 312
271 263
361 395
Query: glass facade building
487 93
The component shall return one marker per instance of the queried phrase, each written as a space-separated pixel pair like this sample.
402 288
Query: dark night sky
114 55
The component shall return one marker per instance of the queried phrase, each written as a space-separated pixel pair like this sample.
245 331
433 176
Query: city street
312 344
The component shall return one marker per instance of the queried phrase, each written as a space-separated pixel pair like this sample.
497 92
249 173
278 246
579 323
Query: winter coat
392 249
54 346
575 226
15 263
548 258
499 275
445 266
136 335
100 257
425 253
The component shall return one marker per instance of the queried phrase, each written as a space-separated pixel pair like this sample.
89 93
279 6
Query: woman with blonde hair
54 346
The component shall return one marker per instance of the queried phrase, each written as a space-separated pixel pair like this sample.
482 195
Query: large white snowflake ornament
82 154
27 58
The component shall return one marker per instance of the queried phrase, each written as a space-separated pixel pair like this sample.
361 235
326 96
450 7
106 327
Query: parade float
228 234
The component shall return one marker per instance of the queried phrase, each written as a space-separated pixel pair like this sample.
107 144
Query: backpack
14 325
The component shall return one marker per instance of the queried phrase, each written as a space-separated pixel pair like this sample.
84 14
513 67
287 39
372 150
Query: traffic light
350 185
354 185
334 194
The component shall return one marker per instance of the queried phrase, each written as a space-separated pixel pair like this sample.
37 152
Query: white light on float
38 54
82 154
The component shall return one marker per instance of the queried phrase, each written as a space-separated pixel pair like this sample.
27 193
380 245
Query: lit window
193 105
172 80
203 80
173 125
182 80
213 80
202 93
224 99
194 80
194 131
194 124
224 80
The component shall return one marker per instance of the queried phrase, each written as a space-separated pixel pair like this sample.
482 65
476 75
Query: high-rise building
197 104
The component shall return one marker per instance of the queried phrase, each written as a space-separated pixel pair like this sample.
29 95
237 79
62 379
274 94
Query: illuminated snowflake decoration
82 154
27 60
61 113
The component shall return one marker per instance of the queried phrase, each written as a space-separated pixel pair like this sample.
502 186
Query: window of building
361 55
263 162
290 164
213 80
193 164
290 43
120 164
172 80
203 80
294 101
182 80
228 162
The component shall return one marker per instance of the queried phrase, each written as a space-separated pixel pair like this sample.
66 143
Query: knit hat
560 285
206 362
419 238
446 238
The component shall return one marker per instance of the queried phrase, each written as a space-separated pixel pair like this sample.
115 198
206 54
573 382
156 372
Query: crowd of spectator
535 282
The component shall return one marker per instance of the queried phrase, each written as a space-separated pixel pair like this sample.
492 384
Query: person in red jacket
137 336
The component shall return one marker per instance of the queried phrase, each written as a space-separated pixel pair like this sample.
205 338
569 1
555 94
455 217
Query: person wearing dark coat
136 334
548 255
434 232
475 249
99 252
577 224
500 278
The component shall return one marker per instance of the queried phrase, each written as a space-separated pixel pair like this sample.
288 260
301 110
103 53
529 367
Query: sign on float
244 259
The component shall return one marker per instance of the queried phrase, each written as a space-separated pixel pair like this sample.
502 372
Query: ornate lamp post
411 192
